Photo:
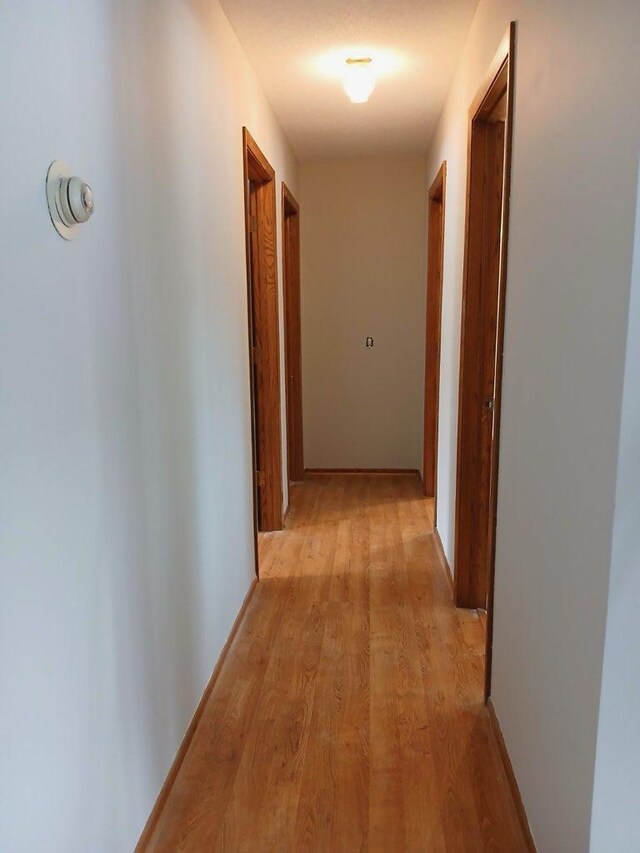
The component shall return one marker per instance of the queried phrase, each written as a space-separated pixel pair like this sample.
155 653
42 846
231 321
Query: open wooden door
435 257
292 333
491 119
262 284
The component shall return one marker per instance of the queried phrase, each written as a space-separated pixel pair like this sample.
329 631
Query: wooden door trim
486 98
258 171
479 267
510 40
292 333
257 167
435 257
288 201
411 472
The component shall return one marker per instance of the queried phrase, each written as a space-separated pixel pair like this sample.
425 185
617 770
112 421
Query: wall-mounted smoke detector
358 81
69 198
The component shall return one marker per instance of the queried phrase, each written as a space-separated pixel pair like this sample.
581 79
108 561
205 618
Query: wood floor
348 713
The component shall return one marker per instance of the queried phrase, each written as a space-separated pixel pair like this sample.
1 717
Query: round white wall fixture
69 198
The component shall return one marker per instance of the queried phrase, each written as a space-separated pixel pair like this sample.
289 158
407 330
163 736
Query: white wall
576 136
615 820
363 273
125 507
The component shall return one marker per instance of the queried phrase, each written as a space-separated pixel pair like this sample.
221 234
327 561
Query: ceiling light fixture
358 81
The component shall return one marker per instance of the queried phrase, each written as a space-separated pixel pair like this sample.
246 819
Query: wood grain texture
411 472
435 259
293 333
509 42
349 713
262 283
482 332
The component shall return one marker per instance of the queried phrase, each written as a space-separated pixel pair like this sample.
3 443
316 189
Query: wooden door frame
292 333
504 61
262 297
433 334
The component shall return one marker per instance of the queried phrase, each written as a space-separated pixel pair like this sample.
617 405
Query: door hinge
260 478
253 224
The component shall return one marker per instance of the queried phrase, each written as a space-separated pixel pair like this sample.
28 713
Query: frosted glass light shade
358 81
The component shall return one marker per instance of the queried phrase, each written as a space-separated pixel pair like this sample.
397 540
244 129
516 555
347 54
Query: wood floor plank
348 715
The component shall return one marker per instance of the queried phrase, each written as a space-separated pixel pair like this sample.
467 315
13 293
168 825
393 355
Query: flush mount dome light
358 81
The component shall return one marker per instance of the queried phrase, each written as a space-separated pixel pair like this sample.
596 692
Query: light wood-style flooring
348 713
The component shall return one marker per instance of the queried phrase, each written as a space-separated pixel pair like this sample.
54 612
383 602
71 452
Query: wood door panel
482 335
262 283
469 539
293 334
485 235
435 257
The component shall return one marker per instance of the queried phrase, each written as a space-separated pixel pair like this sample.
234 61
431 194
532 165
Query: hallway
348 712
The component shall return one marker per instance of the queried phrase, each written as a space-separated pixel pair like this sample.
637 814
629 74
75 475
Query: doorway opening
264 358
435 258
491 120
292 333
